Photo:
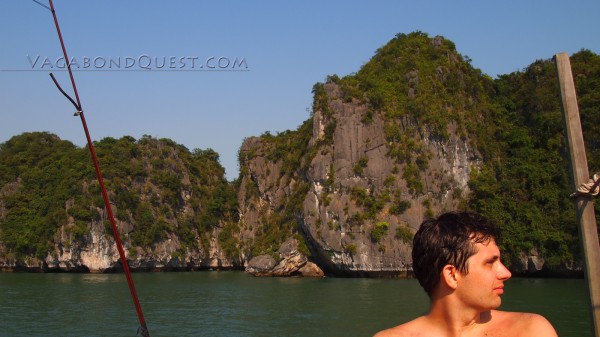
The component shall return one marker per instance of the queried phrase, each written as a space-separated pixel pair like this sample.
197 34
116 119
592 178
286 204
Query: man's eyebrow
493 258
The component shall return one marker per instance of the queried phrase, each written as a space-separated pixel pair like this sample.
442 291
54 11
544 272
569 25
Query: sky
208 74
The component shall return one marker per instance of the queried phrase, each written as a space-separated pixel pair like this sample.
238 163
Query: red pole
143 328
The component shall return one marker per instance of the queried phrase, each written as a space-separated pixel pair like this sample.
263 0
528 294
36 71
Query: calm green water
234 304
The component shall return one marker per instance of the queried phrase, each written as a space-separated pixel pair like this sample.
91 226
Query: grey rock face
261 265
355 188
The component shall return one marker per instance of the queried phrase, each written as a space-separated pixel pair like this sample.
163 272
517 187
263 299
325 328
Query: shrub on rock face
400 207
379 230
404 234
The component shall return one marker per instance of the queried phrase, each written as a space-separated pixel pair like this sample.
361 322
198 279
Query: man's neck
455 320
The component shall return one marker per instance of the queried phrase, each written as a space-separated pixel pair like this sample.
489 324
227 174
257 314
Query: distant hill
168 202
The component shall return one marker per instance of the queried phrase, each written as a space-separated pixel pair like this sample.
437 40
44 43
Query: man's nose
503 272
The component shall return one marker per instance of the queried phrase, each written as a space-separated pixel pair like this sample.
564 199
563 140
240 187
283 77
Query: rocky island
416 131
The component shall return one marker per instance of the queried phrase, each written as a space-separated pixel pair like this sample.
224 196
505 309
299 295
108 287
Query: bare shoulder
387 333
524 324
410 329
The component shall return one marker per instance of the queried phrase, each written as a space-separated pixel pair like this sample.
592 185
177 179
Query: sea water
234 304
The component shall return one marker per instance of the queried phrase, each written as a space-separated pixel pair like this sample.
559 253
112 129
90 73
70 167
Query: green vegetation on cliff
419 87
158 186
289 151
38 174
423 88
524 184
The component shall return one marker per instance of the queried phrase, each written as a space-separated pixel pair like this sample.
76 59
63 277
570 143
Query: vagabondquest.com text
141 62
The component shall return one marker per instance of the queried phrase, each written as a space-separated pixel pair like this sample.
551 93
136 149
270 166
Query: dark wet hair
448 240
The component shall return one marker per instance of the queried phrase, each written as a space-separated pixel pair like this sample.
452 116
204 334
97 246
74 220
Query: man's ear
450 276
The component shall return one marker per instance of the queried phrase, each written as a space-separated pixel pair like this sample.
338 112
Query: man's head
448 240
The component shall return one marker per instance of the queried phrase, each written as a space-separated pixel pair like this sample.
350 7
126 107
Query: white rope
591 188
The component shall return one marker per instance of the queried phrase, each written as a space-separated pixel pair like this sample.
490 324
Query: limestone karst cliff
415 131
170 205
358 200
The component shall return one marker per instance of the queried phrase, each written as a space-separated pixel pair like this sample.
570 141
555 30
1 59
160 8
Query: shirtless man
457 262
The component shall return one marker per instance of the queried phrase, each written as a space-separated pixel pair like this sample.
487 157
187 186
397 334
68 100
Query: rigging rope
591 188
143 329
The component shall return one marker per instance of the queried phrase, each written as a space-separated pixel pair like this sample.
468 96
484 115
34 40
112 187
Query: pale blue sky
288 46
